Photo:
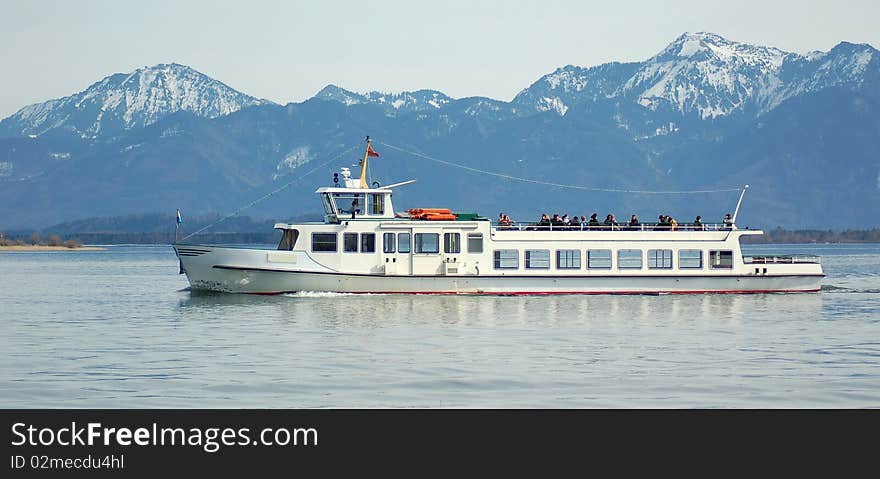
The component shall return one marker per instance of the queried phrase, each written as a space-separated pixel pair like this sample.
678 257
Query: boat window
377 204
403 243
427 243
475 242
452 242
721 259
328 207
629 259
690 259
368 242
659 259
388 242
350 242
599 259
349 203
323 242
537 259
506 259
288 240
569 259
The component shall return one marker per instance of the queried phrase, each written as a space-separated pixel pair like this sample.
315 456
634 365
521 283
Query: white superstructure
363 246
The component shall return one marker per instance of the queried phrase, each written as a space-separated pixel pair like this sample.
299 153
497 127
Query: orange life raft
435 214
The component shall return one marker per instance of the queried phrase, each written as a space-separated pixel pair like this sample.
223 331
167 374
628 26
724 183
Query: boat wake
830 288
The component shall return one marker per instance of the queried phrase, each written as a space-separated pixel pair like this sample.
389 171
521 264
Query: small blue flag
179 219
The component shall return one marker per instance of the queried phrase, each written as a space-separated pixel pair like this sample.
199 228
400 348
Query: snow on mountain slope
125 101
393 103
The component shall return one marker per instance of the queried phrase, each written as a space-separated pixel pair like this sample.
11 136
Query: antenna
738 203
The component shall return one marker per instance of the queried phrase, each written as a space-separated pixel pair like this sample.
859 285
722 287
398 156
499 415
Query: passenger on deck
698 223
500 217
575 222
565 220
634 223
610 222
594 221
504 220
662 224
556 220
673 225
728 222
545 220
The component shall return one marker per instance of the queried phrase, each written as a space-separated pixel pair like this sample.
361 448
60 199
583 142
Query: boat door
397 251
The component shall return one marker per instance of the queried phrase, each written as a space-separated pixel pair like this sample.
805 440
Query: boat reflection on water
378 310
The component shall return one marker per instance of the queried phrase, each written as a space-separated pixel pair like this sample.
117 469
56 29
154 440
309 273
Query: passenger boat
364 246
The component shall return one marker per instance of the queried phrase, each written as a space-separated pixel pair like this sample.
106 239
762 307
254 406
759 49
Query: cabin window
506 259
328 207
721 259
403 243
377 204
629 259
475 242
568 259
599 259
452 242
388 242
690 259
537 259
348 203
427 243
350 242
323 242
659 259
368 242
288 239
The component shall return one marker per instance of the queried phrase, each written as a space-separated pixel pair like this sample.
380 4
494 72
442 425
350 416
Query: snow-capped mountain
706 75
393 103
124 101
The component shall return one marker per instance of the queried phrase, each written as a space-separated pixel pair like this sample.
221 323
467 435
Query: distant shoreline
49 248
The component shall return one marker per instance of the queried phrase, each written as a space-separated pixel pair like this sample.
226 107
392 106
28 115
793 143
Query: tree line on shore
36 239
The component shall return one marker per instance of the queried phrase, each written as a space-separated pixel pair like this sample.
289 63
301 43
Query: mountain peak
123 101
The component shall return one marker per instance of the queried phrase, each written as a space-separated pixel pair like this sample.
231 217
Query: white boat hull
248 271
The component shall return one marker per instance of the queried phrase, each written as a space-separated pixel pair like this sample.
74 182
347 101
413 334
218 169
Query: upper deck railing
602 227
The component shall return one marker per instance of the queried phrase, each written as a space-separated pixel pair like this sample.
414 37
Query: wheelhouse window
568 259
350 242
427 243
328 206
368 242
348 203
475 242
537 259
388 243
452 242
629 259
599 259
377 204
659 259
506 259
323 242
690 259
404 243
721 259
288 240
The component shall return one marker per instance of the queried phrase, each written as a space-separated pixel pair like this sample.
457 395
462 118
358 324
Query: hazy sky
288 50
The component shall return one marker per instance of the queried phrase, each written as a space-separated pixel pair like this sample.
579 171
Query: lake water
117 328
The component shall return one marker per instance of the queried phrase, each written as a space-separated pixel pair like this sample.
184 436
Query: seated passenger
575 222
673 225
504 220
634 223
698 223
594 222
565 220
662 224
728 222
545 220
556 220
610 222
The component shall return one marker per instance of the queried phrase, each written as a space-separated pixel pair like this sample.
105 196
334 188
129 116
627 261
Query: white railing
622 227
781 259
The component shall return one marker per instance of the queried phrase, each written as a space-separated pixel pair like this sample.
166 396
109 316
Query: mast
738 203
363 184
